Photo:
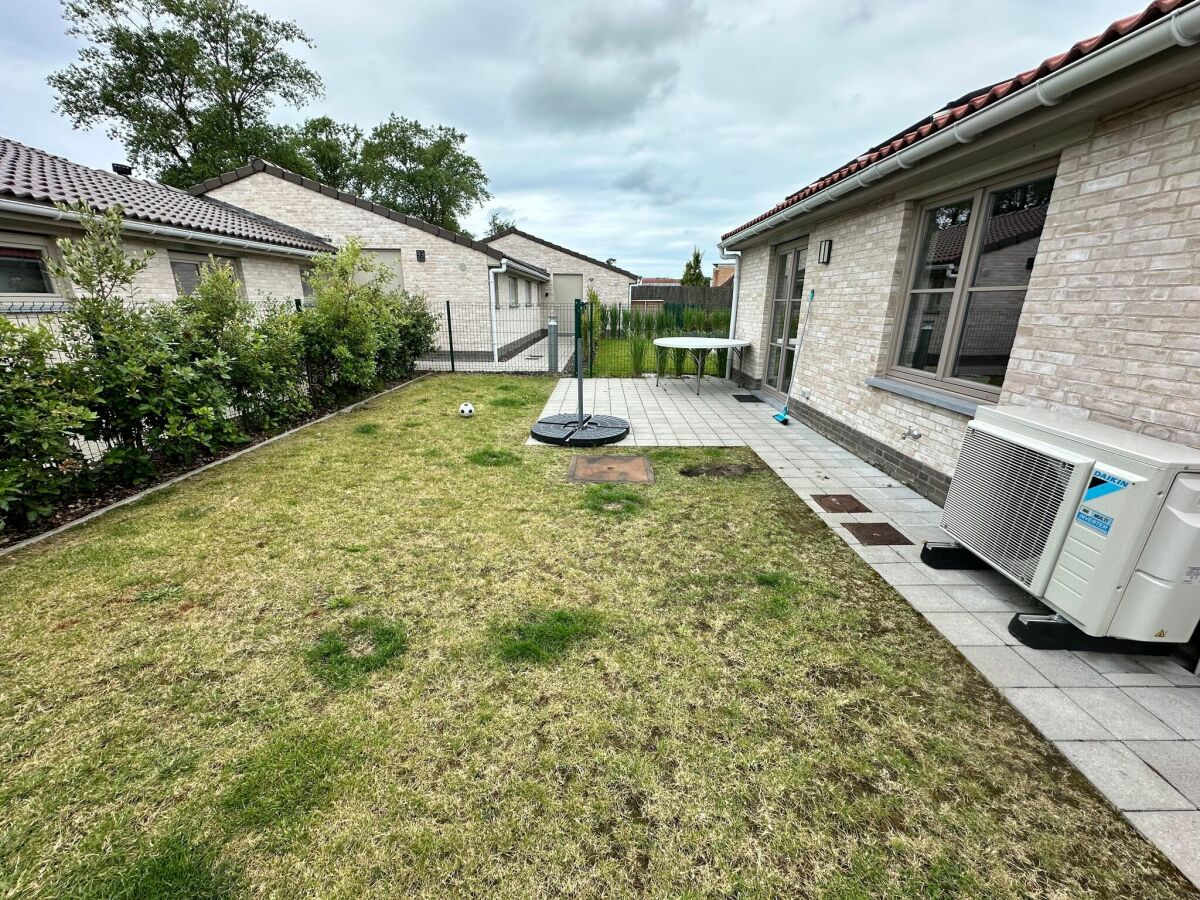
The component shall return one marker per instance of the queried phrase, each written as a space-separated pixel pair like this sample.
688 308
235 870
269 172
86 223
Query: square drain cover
876 534
840 503
746 398
611 470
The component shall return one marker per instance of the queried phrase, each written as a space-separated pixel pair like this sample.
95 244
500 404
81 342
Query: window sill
964 406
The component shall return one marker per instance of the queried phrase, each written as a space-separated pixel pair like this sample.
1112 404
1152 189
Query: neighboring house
722 274
182 230
1035 242
498 300
571 273
659 281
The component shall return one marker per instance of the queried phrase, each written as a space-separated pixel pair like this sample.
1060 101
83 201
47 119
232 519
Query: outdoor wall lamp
825 251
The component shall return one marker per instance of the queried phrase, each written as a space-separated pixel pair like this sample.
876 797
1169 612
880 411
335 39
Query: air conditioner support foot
1056 633
948 555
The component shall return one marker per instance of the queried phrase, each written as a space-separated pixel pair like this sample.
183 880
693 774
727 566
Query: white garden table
698 349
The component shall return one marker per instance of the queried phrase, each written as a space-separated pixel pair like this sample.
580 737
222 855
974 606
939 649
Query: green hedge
162 384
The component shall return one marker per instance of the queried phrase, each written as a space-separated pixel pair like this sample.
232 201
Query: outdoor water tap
910 433
805 393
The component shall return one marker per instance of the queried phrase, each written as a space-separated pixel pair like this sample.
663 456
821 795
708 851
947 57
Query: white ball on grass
466 410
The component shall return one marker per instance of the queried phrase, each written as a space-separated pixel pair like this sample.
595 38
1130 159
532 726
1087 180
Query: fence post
579 356
552 344
450 334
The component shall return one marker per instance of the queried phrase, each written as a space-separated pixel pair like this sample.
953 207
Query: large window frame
199 260
44 247
943 379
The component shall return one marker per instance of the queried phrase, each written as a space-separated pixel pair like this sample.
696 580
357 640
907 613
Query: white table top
700 343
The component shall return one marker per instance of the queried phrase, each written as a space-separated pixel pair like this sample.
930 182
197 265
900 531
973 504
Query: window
23 271
529 293
186 269
306 288
512 293
967 285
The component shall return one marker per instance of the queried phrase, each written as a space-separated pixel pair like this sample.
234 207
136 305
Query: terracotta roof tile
38 177
965 106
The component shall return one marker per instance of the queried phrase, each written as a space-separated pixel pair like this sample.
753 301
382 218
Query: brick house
571 272
182 230
499 301
1033 242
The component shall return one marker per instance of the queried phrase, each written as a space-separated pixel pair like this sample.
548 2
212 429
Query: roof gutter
523 268
166 232
1181 28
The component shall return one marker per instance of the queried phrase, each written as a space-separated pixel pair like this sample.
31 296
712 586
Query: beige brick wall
1111 323
752 307
850 331
612 287
451 272
264 278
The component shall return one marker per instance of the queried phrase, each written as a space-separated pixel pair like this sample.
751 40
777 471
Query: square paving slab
611 470
875 534
840 503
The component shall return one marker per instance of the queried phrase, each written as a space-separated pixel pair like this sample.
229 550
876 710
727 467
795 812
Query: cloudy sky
633 128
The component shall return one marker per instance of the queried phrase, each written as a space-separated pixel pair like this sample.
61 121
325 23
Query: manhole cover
611 470
875 534
840 503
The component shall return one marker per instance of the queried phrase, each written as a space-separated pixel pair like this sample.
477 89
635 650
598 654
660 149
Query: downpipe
736 256
494 299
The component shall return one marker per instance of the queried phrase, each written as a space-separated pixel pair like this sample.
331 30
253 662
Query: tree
693 271
497 224
330 152
185 85
422 171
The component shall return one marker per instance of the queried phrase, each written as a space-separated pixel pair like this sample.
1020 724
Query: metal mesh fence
48 314
617 340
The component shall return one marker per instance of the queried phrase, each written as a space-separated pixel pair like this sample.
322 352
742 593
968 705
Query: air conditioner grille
1003 501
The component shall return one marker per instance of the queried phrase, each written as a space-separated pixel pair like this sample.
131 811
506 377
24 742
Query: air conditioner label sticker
1191 575
1103 484
1097 521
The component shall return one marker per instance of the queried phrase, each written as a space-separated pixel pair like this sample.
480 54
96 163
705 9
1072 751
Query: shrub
638 345
340 337
149 394
265 381
405 330
39 411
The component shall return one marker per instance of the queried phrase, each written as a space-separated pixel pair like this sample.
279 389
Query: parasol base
565 429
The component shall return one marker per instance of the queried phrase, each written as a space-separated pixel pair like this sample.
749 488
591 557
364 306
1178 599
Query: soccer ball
466 410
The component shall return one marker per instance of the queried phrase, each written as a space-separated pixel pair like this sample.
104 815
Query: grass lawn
613 361
398 655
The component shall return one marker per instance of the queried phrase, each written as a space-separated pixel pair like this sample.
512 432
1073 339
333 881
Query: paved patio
1131 724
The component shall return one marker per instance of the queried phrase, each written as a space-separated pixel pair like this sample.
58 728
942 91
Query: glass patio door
786 310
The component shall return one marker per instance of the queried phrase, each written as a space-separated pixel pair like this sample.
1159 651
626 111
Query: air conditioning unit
1101 525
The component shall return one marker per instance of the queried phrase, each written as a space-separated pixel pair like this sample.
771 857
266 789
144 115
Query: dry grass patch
710 697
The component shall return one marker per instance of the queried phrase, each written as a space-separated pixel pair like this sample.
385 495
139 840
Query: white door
567 289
